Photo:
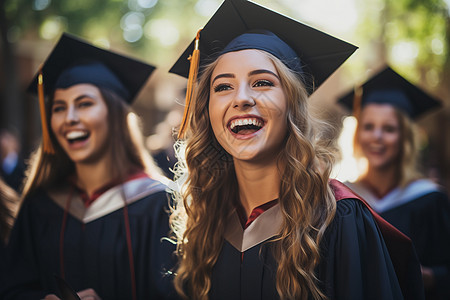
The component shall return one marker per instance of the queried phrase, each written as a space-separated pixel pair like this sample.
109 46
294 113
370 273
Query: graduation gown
355 261
422 212
94 244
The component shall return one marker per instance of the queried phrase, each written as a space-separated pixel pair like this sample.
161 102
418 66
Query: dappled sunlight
347 168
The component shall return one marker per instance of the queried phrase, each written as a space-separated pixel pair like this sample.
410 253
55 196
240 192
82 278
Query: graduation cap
241 24
75 61
388 87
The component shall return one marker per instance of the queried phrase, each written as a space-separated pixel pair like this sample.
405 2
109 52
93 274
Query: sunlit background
411 36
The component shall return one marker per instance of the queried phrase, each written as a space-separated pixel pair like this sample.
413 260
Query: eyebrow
76 99
224 75
263 71
254 72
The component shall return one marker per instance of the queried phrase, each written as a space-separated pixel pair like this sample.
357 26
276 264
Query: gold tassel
46 141
191 91
357 98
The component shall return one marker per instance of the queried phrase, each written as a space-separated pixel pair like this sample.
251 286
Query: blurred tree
412 35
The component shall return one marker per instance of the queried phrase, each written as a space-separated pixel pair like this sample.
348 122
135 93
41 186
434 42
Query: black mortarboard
74 61
389 87
314 54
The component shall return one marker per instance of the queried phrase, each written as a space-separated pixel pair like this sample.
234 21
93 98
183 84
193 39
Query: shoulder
147 188
150 195
425 193
353 218
37 200
424 187
342 191
351 204
428 188
348 201
351 211
160 199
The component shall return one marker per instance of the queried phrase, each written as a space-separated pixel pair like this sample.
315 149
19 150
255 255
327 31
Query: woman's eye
367 127
390 129
264 82
221 87
85 104
57 108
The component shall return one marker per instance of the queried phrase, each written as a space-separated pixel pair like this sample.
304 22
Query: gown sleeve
438 250
19 275
426 220
356 263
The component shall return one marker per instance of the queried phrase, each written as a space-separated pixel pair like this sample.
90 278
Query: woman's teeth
75 135
253 124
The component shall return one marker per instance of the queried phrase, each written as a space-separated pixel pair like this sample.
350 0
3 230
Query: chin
85 159
382 165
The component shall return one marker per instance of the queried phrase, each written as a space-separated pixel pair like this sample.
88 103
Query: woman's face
79 122
247 106
379 135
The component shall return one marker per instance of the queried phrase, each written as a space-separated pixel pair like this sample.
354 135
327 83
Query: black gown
94 251
355 261
422 212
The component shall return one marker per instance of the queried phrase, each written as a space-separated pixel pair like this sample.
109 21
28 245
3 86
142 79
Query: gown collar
88 200
268 224
264 227
397 196
109 201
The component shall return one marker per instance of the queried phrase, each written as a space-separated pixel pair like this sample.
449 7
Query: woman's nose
244 98
72 115
378 133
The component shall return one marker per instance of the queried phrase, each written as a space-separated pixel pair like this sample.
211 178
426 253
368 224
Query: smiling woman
259 217
93 212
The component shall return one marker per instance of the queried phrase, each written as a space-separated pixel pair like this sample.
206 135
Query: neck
382 180
91 177
258 183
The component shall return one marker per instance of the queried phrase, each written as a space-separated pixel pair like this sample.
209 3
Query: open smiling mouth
246 126
77 136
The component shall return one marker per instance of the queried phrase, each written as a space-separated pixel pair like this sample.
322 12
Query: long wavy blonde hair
307 202
407 163
127 146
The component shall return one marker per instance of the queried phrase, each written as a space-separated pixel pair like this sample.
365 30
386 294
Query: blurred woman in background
392 185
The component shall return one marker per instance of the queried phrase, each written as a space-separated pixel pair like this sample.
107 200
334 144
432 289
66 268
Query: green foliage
101 19
414 29
389 30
